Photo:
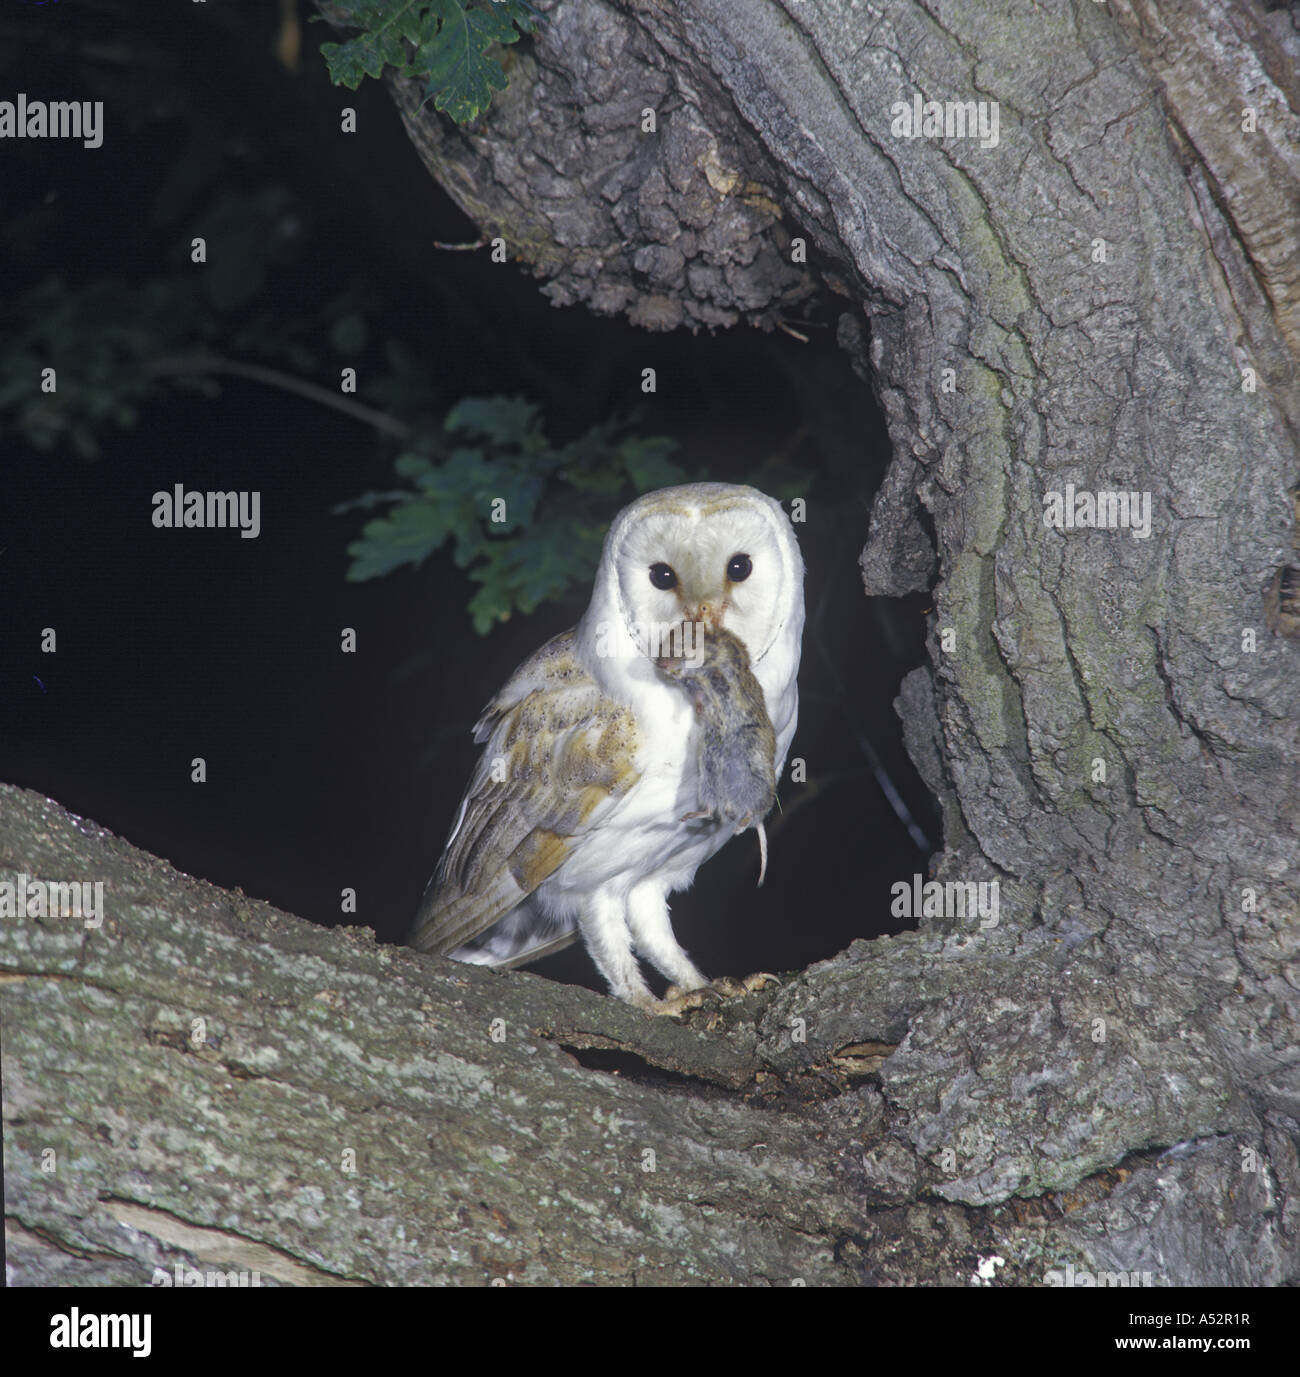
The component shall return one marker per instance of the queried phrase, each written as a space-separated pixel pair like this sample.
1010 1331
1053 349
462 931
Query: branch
199 1080
286 382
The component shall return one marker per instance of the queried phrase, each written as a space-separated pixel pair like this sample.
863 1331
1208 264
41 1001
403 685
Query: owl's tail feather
538 950
450 917
456 925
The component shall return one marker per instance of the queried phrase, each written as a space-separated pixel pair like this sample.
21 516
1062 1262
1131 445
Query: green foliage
109 340
116 344
444 42
95 340
524 519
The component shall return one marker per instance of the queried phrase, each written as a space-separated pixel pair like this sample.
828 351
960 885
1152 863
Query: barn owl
584 812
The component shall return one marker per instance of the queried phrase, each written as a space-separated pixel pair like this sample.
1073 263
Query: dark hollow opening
325 771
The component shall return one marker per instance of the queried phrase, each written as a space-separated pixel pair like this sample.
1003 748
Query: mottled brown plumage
559 753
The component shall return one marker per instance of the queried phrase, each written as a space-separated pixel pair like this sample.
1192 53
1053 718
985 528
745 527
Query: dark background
327 770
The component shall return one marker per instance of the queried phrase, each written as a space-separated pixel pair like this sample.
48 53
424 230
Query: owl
585 812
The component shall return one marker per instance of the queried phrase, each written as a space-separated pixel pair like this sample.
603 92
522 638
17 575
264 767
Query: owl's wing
559 757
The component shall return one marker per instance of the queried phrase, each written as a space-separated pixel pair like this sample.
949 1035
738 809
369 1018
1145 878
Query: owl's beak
710 613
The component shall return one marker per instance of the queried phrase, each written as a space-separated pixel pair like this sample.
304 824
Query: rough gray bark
1109 1078
482 1151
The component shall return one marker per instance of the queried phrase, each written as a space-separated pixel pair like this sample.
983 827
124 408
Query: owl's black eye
662 576
739 568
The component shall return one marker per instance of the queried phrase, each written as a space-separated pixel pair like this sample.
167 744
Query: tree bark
1108 1078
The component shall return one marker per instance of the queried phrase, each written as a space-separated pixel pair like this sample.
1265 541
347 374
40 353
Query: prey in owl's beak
736 742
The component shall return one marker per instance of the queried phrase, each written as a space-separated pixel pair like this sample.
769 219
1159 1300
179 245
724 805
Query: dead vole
737 746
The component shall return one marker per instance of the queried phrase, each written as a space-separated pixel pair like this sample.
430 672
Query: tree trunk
1108 1078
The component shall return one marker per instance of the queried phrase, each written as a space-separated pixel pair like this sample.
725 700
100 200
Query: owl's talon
731 987
727 987
677 1001
674 1005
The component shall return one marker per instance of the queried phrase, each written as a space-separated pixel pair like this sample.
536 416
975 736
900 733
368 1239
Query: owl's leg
647 913
604 926
652 931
